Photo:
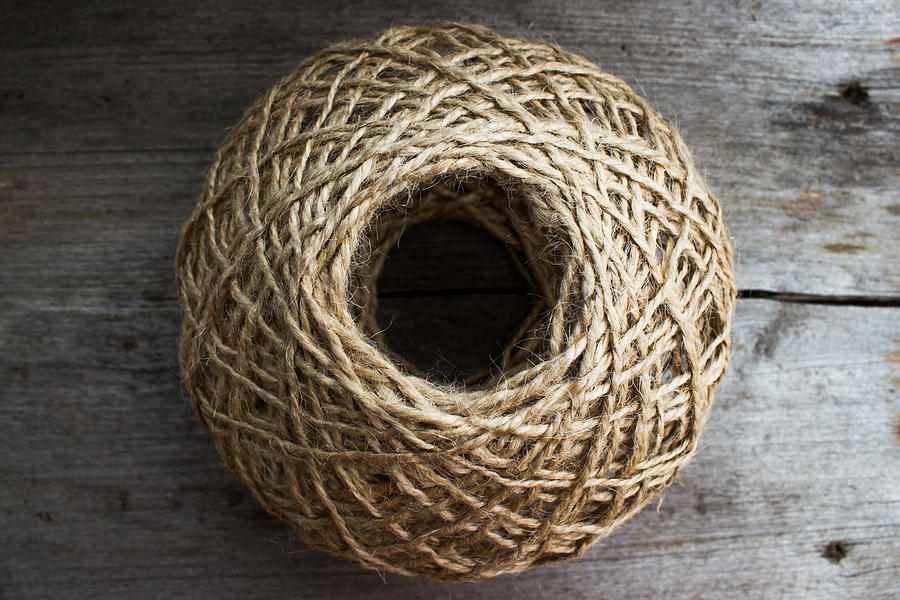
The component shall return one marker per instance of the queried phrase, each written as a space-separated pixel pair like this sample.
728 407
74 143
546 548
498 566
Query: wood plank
111 212
112 488
808 180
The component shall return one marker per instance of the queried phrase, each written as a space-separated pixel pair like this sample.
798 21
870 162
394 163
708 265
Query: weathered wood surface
108 117
112 489
755 87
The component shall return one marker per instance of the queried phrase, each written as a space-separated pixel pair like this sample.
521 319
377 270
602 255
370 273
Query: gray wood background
109 114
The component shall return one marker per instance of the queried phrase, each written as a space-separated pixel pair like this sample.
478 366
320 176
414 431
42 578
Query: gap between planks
747 294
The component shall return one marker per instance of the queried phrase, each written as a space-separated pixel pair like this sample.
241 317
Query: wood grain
109 114
116 491
809 181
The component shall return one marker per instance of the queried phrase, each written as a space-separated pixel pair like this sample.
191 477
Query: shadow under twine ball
599 398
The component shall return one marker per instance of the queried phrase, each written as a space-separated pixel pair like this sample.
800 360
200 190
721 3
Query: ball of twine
599 399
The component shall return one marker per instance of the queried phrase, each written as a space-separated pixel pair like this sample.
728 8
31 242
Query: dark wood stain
897 424
853 92
842 248
835 551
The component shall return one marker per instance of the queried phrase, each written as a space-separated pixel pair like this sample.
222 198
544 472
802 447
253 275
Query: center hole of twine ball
447 283
450 298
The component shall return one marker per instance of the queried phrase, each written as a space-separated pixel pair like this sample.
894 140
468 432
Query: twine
599 399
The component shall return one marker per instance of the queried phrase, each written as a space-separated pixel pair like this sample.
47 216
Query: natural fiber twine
599 400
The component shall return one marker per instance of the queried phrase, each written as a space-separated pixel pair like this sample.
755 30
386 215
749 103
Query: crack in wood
823 299
746 294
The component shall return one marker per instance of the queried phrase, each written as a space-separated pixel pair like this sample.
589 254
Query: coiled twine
597 402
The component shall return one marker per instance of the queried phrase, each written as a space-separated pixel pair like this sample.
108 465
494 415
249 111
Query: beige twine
596 404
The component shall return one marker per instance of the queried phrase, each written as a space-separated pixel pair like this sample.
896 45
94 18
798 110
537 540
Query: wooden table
109 114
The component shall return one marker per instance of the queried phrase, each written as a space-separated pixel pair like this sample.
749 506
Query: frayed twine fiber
597 402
